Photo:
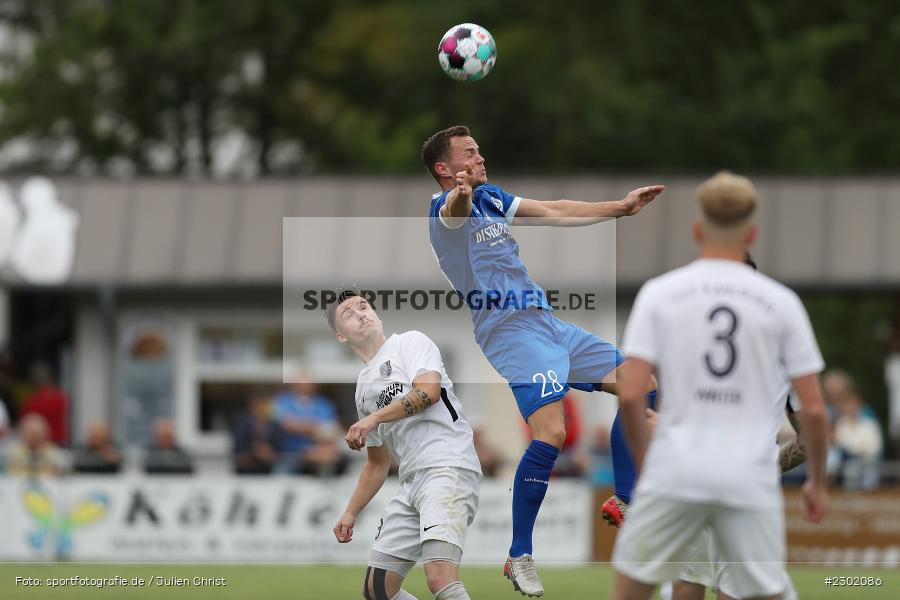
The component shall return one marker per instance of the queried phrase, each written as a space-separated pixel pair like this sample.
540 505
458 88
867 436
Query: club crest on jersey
385 369
498 203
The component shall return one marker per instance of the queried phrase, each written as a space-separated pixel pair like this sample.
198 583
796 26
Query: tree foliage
162 86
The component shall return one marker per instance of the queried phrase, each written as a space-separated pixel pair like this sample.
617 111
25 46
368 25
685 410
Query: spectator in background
858 438
487 455
312 432
49 401
164 456
892 378
837 384
257 438
573 461
4 435
4 422
601 458
99 453
34 453
7 389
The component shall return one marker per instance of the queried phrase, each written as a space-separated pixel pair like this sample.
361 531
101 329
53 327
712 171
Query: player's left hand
639 198
343 531
356 435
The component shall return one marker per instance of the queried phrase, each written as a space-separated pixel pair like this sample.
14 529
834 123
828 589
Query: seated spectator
324 458
4 422
49 401
99 453
858 438
573 461
487 455
892 379
34 453
313 437
601 458
257 438
164 457
837 384
8 398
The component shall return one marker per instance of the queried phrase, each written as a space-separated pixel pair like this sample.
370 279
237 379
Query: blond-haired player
723 340
703 570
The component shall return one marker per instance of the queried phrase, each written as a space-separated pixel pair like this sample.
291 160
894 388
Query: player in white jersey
722 340
408 412
703 570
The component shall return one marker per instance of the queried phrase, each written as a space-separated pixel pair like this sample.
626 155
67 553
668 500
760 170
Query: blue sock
529 489
624 473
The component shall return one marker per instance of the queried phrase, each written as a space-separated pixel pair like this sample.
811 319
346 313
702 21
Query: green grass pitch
331 582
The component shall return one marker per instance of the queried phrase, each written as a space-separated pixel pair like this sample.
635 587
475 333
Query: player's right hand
356 435
343 531
465 181
816 498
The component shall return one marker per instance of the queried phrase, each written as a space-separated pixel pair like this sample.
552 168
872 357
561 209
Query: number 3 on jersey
552 378
725 338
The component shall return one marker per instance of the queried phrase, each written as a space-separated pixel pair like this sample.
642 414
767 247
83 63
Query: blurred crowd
296 430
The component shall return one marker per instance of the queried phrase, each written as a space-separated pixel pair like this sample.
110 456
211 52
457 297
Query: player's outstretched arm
633 376
793 454
574 213
814 429
458 206
370 481
426 391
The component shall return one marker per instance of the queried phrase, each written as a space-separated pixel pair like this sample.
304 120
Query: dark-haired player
540 356
408 412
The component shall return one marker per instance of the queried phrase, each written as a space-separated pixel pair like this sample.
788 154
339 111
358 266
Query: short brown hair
332 307
435 148
727 200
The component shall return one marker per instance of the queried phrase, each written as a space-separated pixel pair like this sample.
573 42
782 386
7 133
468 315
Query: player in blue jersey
540 356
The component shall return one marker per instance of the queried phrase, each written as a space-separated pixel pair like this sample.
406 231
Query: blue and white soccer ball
467 52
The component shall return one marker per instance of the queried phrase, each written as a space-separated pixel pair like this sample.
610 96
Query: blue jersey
481 258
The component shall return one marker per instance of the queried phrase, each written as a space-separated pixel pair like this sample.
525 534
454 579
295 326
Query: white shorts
701 564
663 535
436 503
705 568
727 586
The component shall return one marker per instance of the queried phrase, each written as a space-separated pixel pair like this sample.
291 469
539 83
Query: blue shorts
541 357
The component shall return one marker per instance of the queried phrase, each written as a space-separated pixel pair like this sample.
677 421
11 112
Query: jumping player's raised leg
624 471
593 360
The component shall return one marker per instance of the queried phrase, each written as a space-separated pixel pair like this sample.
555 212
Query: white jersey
439 436
725 340
791 400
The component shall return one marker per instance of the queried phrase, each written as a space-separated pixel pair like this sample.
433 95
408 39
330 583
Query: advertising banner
170 519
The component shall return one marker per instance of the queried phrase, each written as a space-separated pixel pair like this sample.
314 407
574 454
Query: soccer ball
467 52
